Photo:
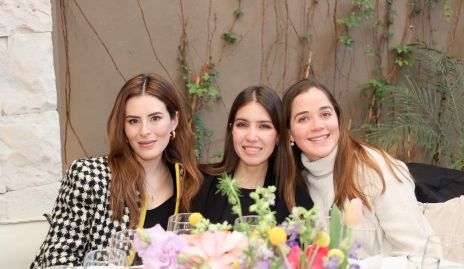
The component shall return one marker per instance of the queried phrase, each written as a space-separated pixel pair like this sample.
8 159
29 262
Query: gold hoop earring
173 134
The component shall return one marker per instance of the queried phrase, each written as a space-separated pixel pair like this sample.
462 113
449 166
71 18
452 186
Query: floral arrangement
300 242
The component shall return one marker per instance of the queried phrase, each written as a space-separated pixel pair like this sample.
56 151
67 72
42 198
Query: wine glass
179 223
105 258
252 220
124 241
366 245
448 248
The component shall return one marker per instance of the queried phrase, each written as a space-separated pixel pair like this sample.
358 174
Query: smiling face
314 124
254 135
148 126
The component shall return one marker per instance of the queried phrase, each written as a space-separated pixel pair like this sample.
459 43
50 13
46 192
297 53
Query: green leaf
238 13
335 226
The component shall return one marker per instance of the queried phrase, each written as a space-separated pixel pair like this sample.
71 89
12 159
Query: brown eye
132 121
241 124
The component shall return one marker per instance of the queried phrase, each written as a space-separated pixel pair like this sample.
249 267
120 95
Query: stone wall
30 148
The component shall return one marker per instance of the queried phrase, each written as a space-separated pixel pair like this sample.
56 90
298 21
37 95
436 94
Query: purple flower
158 248
263 264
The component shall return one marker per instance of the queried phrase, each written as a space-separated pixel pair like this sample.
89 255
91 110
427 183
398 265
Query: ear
175 121
290 136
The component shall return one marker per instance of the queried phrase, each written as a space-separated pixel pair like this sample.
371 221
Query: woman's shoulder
383 158
90 169
100 162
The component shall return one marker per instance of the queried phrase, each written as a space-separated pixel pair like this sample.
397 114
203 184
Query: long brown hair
351 153
284 169
127 187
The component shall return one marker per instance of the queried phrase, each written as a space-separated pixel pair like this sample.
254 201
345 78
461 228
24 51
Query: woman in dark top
256 153
138 184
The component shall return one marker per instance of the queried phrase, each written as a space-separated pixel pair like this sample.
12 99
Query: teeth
251 149
319 138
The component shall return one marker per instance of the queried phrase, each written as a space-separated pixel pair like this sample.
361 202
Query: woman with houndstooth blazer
148 175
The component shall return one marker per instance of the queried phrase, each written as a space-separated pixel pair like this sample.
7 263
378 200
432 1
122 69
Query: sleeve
68 236
402 222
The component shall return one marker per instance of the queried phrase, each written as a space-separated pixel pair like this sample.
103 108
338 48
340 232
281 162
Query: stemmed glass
105 258
124 241
367 247
449 249
179 223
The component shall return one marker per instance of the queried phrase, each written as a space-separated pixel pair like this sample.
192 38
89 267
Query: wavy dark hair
128 176
284 167
350 153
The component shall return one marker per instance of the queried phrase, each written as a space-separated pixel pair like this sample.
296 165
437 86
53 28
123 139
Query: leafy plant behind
426 110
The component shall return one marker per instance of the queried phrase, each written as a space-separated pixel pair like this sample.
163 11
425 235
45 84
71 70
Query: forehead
144 104
312 99
253 111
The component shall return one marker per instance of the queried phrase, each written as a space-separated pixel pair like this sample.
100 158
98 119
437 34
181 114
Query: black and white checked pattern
81 219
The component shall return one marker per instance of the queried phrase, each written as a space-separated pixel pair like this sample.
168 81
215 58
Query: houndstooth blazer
82 218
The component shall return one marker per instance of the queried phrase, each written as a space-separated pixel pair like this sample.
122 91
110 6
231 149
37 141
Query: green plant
362 9
427 110
376 90
230 37
199 92
403 54
238 13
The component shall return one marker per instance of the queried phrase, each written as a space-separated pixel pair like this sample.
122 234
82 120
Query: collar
322 166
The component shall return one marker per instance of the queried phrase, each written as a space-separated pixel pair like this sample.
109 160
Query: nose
252 134
316 124
145 129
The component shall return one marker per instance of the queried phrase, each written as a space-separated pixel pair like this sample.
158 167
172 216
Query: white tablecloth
401 262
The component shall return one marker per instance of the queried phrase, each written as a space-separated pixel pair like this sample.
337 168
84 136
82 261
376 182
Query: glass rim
422 259
450 238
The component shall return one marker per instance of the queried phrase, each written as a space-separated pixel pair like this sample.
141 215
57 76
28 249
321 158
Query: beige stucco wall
271 51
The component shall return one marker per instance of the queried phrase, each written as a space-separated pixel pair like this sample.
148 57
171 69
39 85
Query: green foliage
238 13
459 163
378 88
202 135
346 40
447 11
362 9
200 92
403 53
427 109
228 186
335 226
370 52
307 36
230 37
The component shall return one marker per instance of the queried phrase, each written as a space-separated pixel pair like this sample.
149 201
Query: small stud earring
292 143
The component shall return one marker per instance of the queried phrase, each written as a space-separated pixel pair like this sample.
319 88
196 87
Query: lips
319 138
147 143
251 149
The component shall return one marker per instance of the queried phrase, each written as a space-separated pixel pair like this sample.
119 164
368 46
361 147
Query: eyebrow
149 115
307 112
260 121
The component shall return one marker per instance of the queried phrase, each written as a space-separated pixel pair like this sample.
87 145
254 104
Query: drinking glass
366 247
105 258
252 220
179 223
124 241
449 249
323 222
419 262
